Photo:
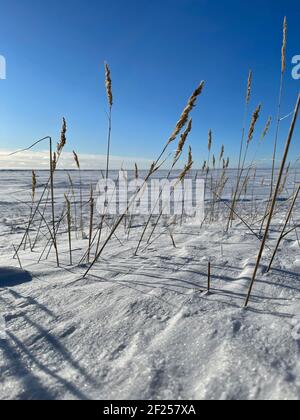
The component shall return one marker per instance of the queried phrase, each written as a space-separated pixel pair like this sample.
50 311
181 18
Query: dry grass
215 172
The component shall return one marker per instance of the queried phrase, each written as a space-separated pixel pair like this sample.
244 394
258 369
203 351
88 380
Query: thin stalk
287 148
52 201
284 228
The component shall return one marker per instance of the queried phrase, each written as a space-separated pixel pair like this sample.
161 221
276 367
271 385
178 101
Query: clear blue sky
158 52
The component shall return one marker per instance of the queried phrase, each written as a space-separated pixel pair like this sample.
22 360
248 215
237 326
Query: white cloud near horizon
40 160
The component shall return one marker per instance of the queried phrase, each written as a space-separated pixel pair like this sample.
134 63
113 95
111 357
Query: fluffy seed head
186 112
76 158
209 140
183 139
249 86
188 166
267 128
136 171
54 162
63 139
283 50
222 152
34 183
108 84
253 123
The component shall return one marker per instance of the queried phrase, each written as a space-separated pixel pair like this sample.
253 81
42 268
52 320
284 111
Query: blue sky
158 51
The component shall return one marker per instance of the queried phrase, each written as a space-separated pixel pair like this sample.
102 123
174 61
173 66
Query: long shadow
11 276
59 348
31 301
69 386
32 387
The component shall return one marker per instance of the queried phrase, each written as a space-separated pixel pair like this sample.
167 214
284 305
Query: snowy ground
144 327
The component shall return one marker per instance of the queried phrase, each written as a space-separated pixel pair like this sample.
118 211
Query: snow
145 327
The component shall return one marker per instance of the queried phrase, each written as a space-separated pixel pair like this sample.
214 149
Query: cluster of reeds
215 171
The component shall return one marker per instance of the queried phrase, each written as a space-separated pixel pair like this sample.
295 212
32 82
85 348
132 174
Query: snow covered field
144 327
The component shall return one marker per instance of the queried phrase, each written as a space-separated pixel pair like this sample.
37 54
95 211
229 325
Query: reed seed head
108 84
283 50
183 139
54 162
34 183
136 171
267 128
209 140
188 166
255 117
186 112
249 86
222 152
63 139
76 158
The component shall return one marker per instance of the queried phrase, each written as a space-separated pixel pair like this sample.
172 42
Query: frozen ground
144 327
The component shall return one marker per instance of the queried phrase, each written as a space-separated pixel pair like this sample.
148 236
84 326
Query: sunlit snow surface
144 327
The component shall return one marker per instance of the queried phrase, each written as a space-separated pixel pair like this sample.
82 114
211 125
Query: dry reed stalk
53 163
172 238
34 184
41 221
182 141
77 162
91 222
282 187
17 253
283 67
209 146
131 218
60 220
186 112
253 123
74 203
60 149
33 191
108 84
69 221
154 167
254 120
247 102
283 163
178 153
267 128
209 277
181 177
288 218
